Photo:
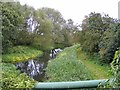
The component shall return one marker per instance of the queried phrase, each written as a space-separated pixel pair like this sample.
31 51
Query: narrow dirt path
98 71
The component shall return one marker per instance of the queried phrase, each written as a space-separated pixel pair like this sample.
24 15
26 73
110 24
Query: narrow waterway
35 68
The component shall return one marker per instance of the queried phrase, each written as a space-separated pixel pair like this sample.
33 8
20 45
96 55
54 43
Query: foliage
100 35
116 69
96 21
66 67
110 41
12 78
92 22
105 44
52 30
10 25
114 82
63 32
90 41
20 53
24 38
43 38
92 27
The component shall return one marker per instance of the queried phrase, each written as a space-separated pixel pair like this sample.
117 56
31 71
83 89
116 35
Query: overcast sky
77 9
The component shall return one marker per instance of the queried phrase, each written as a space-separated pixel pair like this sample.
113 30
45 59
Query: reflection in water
35 68
54 52
32 67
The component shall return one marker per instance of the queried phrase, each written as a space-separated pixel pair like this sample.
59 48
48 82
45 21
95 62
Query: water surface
35 68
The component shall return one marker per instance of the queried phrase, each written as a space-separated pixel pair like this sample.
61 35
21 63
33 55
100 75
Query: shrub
110 41
12 78
114 82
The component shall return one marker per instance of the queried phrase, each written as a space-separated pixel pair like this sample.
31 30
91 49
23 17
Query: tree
91 33
10 25
92 22
43 39
58 23
110 41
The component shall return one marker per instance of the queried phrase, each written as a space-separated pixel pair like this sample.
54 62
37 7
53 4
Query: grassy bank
20 53
72 64
12 78
66 67
98 71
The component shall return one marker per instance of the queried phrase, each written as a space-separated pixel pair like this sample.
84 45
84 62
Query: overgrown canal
35 68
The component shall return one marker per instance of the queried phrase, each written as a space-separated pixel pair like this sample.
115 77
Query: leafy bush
20 53
114 82
11 78
66 67
110 41
116 69
89 42
25 38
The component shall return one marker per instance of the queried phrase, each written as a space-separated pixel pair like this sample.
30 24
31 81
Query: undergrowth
12 78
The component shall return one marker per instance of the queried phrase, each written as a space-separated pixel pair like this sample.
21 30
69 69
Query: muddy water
35 68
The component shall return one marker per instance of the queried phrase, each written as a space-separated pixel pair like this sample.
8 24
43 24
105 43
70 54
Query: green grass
12 78
98 71
73 64
20 53
66 67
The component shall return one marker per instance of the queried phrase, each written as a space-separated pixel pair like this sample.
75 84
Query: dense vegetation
116 70
67 67
114 82
99 39
100 36
20 44
12 78
52 30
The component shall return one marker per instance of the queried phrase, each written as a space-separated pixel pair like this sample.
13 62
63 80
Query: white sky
77 9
